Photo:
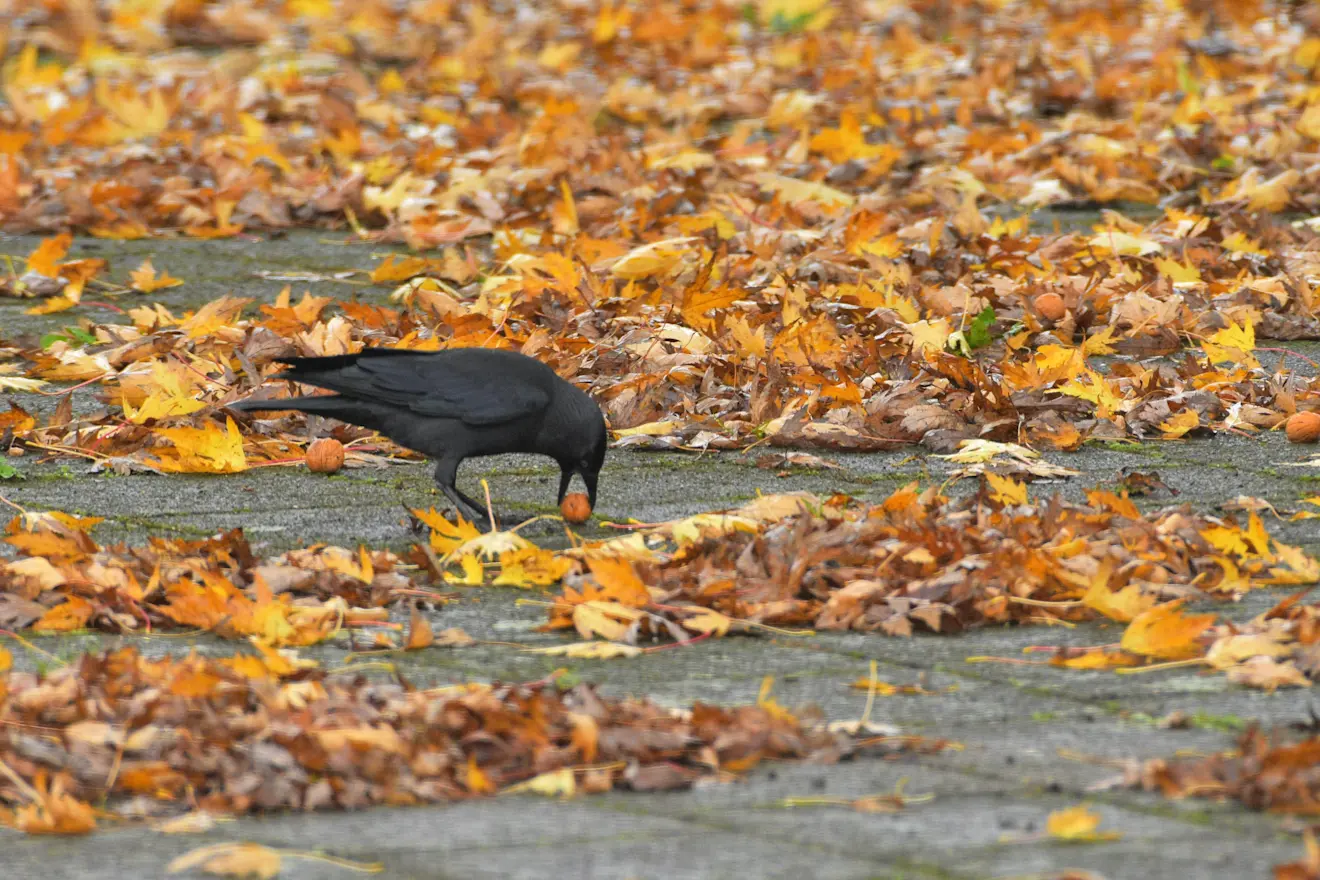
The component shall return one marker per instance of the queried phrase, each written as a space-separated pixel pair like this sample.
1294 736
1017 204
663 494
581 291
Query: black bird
456 404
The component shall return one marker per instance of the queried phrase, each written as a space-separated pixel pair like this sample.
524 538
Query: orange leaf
65 617
477 781
1165 633
619 581
419 632
145 279
45 259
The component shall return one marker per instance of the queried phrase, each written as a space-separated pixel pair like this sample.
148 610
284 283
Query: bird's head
586 465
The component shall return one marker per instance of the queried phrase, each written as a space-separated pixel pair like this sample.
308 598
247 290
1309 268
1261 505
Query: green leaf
81 335
9 472
978 333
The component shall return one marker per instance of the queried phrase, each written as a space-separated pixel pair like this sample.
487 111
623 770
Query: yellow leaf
1233 344
553 783
1006 490
230 860
531 567
650 429
706 620
980 451
651 259
1077 824
609 620
173 393
6 661
590 650
14 383
1178 273
145 280
52 306
929 335
1096 660
793 190
207 450
473 574
1166 633
1122 605
1179 424
1099 343
1232 650
1239 243
1125 243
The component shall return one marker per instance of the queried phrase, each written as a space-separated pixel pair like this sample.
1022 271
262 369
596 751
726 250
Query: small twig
490 511
1289 351
18 781
69 390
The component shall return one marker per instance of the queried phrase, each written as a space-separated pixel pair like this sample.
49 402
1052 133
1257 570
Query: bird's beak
566 476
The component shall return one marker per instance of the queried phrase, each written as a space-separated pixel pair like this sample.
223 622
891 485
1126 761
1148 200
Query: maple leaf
145 280
473 574
446 536
531 567
45 259
1166 633
1006 490
207 450
1234 344
608 620
1122 605
619 581
174 392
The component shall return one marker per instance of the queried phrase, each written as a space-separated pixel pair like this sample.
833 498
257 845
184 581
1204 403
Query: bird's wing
468 389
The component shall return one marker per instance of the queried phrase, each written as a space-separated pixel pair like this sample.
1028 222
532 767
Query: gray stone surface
1024 729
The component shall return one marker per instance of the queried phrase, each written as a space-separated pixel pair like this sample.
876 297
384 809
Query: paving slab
1032 738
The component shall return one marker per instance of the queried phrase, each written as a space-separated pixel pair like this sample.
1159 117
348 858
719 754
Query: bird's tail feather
319 404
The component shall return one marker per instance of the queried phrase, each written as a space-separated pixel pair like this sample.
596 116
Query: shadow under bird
456 404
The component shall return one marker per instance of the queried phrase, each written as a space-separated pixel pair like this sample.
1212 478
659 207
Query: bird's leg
446 476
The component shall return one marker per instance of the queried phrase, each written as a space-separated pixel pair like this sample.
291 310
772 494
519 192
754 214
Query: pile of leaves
151 737
790 220
63 580
1273 772
924 561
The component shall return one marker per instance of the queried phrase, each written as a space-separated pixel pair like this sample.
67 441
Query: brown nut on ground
325 456
1303 427
1049 306
575 507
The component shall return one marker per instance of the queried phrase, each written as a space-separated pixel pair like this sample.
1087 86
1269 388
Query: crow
455 404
